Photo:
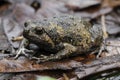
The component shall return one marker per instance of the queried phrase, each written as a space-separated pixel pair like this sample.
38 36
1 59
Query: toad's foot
102 48
66 52
43 58
22 51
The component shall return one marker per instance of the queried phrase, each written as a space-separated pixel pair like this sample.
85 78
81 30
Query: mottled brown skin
63 36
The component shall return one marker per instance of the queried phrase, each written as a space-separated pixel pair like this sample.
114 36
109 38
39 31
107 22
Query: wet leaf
80 4
13 24
4 45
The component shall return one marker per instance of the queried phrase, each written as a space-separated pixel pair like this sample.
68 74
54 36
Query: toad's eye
39 30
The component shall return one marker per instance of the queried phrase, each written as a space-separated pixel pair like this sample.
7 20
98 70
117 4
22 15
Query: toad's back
73 30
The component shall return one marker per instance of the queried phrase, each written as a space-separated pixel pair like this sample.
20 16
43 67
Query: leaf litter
15 13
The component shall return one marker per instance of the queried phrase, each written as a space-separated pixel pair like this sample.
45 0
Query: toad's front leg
66 52
22 50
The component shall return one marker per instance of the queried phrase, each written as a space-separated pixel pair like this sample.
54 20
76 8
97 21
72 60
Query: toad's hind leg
66 52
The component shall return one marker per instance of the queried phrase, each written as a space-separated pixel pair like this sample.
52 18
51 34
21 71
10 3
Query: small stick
105 35
65 76
17 38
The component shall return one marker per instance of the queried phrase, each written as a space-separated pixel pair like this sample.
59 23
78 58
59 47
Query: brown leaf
22 65
110 3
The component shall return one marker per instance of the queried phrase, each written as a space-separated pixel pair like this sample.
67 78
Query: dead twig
65 76
17 38
105 35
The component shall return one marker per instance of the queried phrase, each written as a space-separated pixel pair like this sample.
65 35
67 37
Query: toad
63 36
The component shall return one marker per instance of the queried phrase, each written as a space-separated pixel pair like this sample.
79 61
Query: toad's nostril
25 24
